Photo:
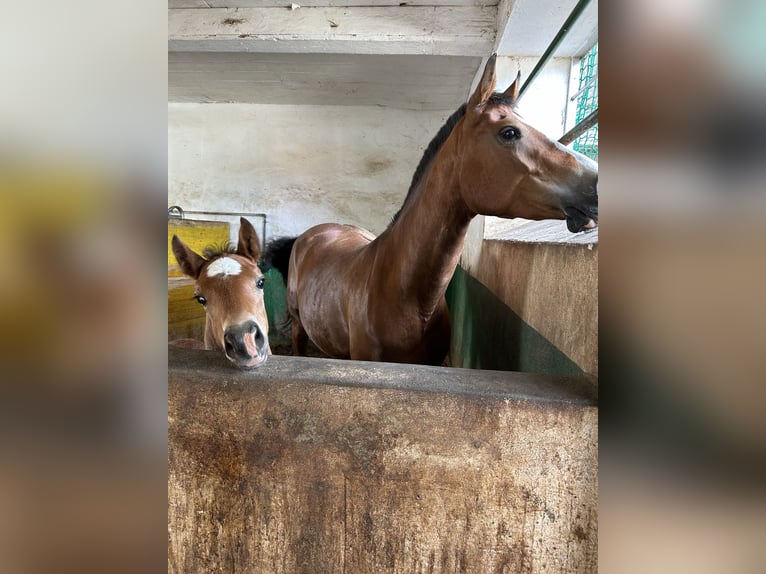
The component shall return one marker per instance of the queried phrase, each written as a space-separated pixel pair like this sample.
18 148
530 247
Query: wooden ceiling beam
448 31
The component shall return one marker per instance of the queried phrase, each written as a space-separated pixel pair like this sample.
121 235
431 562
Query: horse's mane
428 155
497 98
213 251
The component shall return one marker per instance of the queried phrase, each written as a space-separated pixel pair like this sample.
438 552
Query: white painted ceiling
416 54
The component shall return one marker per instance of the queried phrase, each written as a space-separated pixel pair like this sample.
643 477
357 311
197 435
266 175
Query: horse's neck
424 244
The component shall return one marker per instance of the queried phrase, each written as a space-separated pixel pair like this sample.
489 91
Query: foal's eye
260 283
201 300
509 133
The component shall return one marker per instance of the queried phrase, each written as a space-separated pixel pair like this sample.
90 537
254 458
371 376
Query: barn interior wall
308 465
301 165
529 307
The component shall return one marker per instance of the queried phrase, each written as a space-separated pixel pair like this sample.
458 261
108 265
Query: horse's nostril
260 338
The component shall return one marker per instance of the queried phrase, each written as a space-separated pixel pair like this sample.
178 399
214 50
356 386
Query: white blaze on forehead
224 266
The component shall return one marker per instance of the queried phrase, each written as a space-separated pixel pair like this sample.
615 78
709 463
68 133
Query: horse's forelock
501 99
213 251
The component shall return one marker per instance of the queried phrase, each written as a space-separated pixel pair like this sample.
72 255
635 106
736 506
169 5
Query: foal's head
510 169
229 285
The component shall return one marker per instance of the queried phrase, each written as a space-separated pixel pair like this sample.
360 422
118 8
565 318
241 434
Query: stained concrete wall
310 465
301 165
553 288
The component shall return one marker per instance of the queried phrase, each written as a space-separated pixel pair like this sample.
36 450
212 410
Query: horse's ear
513 90
249 245
486 85
190 263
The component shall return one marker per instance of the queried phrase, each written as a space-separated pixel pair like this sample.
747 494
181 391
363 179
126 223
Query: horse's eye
260 283
201 300
509 133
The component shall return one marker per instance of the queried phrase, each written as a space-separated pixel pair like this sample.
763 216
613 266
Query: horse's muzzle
581 219
246 345
582 210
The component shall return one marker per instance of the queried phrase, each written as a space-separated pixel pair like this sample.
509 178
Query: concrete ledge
312 465
414 378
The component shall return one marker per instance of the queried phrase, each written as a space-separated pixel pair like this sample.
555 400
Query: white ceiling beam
407 82
446 31
286 3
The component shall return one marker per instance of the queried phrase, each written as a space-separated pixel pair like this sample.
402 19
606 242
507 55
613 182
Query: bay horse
229 285
383 299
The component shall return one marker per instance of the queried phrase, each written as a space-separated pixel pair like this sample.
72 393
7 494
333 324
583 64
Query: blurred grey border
682 281
83 189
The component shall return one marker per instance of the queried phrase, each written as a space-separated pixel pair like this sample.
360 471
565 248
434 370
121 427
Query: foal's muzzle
246 345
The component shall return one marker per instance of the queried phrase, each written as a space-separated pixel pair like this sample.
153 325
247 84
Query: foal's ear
188 260
513 90
249 245
486 85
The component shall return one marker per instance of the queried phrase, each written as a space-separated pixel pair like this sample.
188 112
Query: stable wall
310 465
529 307
526 305
301 165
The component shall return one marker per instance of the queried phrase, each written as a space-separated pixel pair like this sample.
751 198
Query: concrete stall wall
529 307
301 165
311 465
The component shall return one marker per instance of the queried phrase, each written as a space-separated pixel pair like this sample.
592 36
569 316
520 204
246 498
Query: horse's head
229 286
510 169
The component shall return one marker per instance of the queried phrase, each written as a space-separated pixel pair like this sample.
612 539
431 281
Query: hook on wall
175 212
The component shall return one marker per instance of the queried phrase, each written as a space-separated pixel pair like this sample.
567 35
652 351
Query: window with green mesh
587 101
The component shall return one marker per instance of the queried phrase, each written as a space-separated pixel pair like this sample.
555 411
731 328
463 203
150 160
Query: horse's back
324 252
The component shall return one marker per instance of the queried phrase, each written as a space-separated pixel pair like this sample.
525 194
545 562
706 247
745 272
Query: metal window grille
587 102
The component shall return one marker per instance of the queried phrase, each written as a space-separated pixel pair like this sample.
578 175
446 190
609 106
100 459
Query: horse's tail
277 254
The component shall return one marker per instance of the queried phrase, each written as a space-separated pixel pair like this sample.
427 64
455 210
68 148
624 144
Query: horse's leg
300 337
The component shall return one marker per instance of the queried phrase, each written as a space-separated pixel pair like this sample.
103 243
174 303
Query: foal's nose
246 344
